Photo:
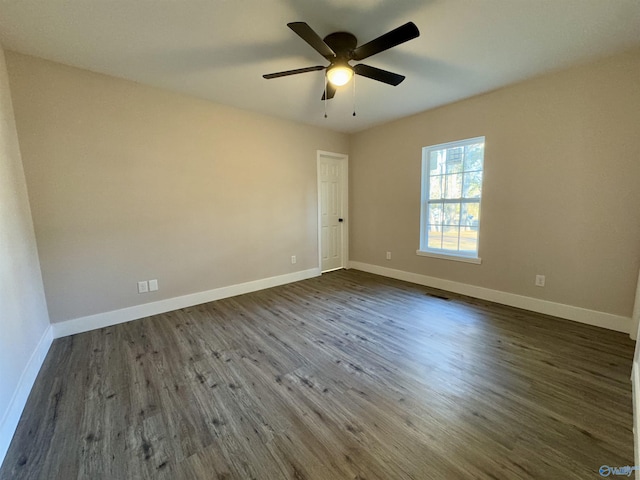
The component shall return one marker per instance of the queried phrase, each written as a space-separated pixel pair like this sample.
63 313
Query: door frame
344 231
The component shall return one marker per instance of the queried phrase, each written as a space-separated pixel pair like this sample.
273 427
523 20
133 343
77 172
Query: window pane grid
452 190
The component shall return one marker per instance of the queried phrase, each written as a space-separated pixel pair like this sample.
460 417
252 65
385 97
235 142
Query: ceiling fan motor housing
342 43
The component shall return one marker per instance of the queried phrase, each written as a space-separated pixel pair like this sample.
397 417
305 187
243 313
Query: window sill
444 256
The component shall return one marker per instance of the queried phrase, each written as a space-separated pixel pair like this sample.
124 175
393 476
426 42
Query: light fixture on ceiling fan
339 74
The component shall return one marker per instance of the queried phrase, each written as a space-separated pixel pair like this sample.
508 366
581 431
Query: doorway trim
344 233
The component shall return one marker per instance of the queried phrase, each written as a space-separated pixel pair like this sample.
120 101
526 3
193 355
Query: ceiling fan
340 48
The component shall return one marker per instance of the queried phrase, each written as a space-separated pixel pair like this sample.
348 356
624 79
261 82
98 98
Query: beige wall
561 188
23 312
129 183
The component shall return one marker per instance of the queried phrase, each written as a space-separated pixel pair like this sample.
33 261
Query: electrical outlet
143 287
388 255
540 280
153 285
293 259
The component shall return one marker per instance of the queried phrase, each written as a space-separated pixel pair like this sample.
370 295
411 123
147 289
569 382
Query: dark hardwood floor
345 376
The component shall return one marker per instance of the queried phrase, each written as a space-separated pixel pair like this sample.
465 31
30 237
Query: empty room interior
341 239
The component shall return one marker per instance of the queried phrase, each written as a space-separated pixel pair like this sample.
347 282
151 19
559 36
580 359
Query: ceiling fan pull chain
354 95
325 94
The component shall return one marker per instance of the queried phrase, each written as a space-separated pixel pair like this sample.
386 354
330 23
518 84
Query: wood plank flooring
345 376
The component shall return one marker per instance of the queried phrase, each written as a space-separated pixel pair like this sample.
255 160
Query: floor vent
434 295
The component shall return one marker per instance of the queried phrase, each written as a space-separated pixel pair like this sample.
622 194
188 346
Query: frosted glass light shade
339 75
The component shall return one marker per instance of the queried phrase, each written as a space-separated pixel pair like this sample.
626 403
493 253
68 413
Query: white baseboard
113 317
12 415
569 312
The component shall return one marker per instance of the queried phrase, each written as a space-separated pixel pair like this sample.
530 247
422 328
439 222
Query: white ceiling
219 49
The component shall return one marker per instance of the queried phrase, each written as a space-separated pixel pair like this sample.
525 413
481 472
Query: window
451 194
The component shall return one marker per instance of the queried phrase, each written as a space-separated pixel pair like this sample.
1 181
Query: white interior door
332 206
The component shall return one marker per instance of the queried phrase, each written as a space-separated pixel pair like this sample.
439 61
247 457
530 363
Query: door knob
341 220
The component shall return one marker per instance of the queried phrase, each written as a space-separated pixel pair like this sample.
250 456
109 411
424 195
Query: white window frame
424 250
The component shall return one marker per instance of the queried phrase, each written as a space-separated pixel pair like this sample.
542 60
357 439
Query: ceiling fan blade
293 72
399 35
305 32
330 91
378 74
